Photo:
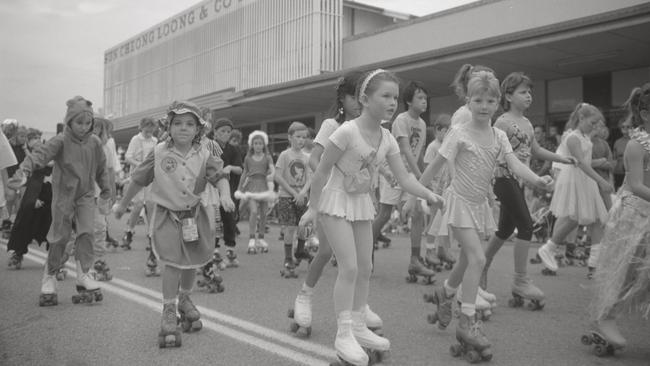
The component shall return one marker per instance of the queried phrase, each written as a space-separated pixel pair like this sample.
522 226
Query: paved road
247 324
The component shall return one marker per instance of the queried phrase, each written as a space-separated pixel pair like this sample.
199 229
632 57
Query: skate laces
476 329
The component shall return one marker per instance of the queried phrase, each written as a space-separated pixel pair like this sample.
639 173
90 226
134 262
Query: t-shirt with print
520 133
415 130
293 166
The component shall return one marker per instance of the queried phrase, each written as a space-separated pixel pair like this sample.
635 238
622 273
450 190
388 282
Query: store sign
200 14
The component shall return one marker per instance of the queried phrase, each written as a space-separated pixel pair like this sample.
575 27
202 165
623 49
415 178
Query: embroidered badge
168 164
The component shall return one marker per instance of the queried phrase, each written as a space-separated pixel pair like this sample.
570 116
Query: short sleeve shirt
293 166
520 133
415 130
471 164
326 129
358 154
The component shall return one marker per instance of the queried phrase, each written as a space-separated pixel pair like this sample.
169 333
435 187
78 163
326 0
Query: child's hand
308 218
435 200
240 196
39 204
227 204
17 181
569 160
409 207
119 209
545 183
300 198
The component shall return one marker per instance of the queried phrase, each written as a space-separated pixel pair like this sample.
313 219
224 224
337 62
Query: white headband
366 81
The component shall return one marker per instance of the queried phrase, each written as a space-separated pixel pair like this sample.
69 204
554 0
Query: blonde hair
483 82
580 112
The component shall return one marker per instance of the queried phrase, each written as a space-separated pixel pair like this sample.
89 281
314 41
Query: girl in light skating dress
345 210
472 151
576 200
622 276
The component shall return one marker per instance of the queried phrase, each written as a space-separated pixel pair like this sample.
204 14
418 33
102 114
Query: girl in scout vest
178 170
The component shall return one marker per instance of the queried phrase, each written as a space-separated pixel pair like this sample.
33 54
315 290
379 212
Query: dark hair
371 79
59 128
346 85
462 78
147 122
311 133
638 101
199 128
409 92
510 84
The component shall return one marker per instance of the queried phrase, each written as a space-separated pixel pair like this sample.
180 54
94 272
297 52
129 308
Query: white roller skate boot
373 321
523 289
487 296
547 254
301 313
48 295
262 245
378 347
251 246
483 307
346 345
87 288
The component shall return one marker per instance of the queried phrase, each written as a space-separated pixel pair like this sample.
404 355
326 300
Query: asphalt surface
247 324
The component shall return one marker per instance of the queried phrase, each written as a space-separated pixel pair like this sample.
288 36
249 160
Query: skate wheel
293 327
99 296
290 313
586 340
432 318
221 288
472 356
455 350
76 299
601 351
486 355
197 325
411 279
428 298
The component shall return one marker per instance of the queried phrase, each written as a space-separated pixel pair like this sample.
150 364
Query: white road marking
278 349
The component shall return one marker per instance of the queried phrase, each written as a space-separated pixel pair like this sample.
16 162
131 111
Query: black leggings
514 210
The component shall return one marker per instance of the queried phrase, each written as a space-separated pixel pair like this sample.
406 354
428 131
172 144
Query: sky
52 50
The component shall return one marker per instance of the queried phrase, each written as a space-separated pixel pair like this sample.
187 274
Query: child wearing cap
178 170
79 162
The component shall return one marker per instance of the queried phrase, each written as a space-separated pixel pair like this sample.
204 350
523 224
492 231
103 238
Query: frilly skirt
577 196
352 207
461 213
622 279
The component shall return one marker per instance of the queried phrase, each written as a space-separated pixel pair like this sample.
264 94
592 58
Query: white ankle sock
450 290
306 289
468 309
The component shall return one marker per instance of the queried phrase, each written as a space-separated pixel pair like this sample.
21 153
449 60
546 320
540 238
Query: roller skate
376 346
127 240
111 244
262 246
535 260
61 274
301 255
87 289
575 255
251 247
301 314
416 268
151 267
373 321
189 315
446 258
483 307
231 259
211 280
605 337
289 270
312 244
444 305
431 260
170 335
547 254
15 260
473 345
523 289
590 272
347 347
384 240
48 295
102 272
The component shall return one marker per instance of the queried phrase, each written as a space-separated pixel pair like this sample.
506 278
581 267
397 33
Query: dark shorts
289 213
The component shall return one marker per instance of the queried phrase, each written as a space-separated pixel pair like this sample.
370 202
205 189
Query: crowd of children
191 183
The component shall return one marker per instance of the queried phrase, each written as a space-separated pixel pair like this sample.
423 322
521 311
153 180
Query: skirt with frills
461 213
622 279
577 196
352 207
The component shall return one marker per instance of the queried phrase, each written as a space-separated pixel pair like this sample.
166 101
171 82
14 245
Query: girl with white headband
344 208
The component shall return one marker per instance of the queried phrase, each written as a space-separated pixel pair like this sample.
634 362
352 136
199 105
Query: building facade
265 63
